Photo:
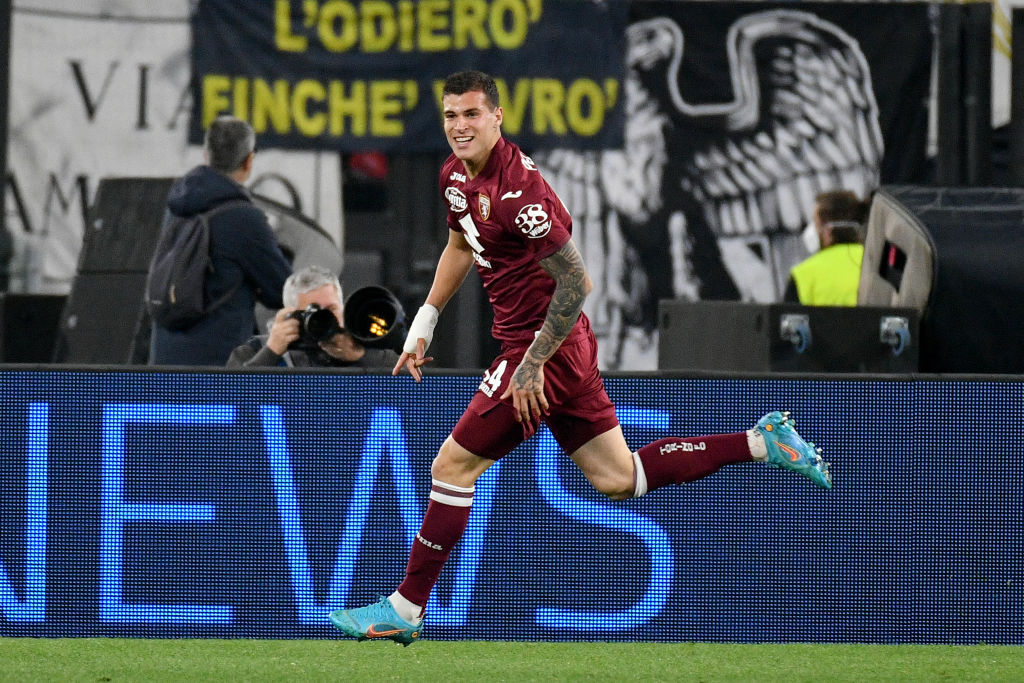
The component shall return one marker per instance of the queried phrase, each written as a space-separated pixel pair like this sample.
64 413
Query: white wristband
422 328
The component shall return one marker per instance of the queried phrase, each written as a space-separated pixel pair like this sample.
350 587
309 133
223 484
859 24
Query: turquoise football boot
786 449
378 620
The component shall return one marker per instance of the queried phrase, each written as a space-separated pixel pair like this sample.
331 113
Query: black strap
205 217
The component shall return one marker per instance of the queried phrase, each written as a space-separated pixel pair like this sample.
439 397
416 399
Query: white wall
99 88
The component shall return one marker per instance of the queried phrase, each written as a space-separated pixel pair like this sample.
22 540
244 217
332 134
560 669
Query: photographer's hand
283 331
344 347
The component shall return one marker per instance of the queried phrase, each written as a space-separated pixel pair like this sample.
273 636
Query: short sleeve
539 219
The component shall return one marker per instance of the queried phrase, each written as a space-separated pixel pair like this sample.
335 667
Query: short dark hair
472 81
844 213
841 205
228 142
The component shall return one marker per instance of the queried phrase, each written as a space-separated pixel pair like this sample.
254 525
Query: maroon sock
443 525
675 460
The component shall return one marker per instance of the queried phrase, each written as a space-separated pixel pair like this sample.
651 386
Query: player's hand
283 331
413 361
527 391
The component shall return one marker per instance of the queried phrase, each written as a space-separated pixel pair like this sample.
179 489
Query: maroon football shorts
579 408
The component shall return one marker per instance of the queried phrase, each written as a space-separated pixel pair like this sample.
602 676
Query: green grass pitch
121 659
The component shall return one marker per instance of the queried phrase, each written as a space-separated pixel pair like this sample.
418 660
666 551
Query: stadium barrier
227 504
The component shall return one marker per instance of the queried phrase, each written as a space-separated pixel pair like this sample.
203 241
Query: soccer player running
505 218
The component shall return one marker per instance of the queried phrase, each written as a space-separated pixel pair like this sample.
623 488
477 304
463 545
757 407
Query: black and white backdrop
737 115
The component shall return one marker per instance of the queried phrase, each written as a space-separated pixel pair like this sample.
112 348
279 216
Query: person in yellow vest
830 277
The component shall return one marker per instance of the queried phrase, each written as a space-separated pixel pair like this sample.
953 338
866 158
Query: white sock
407 610
755 441
639 476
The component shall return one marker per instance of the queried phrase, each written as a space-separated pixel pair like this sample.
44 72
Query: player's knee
443 467
455 465
614 486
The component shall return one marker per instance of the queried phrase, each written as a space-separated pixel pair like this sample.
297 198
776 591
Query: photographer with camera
309 331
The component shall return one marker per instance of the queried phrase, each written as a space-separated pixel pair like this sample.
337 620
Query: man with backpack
245 263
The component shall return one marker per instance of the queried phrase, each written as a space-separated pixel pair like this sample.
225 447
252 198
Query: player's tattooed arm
526 387
572 284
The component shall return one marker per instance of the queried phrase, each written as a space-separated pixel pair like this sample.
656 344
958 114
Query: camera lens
316 325
320 324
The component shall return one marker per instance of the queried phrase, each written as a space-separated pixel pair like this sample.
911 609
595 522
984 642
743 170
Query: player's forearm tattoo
571 286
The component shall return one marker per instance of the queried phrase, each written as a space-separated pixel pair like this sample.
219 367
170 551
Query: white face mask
810 238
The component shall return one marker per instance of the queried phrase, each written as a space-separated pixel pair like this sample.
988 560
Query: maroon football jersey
512 219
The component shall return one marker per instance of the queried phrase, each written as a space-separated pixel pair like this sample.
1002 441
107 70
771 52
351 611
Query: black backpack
175 285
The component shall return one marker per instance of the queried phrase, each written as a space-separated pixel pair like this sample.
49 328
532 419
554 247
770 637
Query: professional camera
316 325
375 317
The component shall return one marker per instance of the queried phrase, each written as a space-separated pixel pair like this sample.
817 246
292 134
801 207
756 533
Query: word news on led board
251 505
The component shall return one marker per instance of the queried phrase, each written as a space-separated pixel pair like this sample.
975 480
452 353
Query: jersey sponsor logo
533 221
472 235
485 207
457 176
512 195
527 162
456 199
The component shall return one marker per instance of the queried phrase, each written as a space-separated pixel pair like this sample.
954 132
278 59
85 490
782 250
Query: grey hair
228 142
306 280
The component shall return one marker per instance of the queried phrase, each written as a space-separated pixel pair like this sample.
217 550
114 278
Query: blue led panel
251 505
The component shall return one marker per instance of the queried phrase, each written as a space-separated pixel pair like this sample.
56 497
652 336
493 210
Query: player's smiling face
472 127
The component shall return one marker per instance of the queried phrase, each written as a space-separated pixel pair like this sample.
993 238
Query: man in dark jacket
243 250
